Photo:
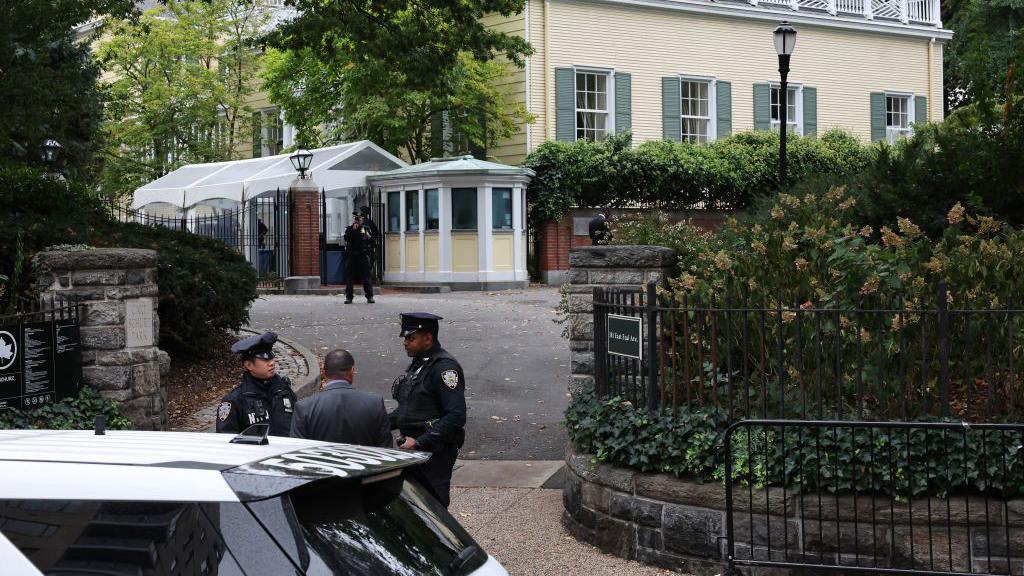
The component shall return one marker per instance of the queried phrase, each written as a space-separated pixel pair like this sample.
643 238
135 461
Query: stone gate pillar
119 324
605 266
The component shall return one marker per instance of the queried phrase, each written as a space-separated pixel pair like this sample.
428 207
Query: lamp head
785 39
301 160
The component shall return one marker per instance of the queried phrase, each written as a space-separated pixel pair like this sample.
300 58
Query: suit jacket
343 414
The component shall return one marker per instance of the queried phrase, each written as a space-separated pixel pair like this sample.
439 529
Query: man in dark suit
358 249
341 413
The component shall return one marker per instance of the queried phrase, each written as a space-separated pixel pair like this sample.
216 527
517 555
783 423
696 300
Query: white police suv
170 503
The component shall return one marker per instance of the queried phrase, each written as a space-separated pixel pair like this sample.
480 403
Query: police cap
258 346
357 213
413 321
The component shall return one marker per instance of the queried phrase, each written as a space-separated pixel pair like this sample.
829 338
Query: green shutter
762 107
723 108
920 109
670 109
565 104
437 135
877 116
810 111
623 102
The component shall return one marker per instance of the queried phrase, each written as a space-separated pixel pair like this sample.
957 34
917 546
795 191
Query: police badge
223 411
450 378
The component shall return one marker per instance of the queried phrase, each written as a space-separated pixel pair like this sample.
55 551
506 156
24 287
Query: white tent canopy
333 168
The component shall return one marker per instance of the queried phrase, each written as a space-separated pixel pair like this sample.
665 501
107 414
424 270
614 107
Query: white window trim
610 72
798 105
893 134
712 103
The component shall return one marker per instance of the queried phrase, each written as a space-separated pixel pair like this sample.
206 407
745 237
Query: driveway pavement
512 352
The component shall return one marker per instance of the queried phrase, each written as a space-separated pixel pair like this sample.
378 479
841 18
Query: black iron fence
894 360
876 497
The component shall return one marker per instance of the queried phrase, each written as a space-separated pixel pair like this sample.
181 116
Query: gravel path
522 528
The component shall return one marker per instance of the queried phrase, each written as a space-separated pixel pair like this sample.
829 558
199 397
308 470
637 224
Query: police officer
431 398
263 396
358 250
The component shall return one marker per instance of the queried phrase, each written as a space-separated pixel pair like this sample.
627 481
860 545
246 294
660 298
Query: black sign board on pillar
67 358
37 364
10 366
40 362
625 336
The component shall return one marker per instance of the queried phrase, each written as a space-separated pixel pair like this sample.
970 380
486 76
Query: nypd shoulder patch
450 378
223 411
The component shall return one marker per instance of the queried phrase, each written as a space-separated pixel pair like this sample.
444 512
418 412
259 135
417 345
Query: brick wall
305 232
557 238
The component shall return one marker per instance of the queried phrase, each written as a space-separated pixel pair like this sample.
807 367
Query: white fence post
868 12
832 7
904 11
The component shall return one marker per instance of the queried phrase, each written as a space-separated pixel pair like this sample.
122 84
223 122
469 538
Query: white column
904 12
401 228
485 240
794 4
831 7
421 197
869 10
444 230
936 15
518 262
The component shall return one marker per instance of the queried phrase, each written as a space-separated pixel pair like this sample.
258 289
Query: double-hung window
898 114
267 133
794 107
696 110
593 104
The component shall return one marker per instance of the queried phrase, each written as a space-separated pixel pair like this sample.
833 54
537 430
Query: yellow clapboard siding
844 65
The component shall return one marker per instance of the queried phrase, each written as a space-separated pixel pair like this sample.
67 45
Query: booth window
394 212
433 210
463 208
412 210
501 208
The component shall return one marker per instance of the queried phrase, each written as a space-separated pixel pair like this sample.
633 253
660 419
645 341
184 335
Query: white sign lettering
138 322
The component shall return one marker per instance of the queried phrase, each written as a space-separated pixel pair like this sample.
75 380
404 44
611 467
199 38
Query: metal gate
850 497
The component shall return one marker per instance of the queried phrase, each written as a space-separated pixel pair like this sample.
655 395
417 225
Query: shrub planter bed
678 524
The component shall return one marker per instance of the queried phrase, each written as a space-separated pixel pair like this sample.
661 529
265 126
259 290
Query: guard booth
458 222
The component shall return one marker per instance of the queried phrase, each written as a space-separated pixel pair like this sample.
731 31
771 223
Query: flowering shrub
827 300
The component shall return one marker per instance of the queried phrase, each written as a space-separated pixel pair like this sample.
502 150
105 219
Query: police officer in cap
263 396
431 398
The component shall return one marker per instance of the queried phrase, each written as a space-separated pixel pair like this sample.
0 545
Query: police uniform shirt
431 401
257 401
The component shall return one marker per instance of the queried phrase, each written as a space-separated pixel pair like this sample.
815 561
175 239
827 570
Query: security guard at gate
263 396
431 398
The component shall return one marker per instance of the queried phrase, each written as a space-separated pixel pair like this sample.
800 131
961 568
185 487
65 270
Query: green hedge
205 287
726 174
78 413
690 443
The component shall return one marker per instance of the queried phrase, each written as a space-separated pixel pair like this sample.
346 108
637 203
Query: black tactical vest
418 401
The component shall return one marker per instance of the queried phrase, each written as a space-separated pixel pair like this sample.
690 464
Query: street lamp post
785 41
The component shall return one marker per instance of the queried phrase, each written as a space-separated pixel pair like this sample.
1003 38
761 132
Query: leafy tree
314 95
387 70
48 80
984 59
417 40
180 75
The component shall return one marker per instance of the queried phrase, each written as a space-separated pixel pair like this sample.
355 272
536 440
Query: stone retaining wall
119 324
681 525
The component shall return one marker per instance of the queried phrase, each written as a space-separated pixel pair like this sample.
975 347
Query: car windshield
392 527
